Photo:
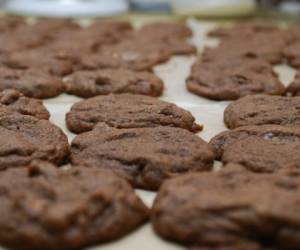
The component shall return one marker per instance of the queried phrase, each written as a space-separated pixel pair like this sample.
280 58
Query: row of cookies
242 63
251 203
52 56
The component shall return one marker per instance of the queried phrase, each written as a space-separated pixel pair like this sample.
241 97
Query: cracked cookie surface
24 138
265 148
116 81
222 209
144 156
128 111
13 100
50 208
263 109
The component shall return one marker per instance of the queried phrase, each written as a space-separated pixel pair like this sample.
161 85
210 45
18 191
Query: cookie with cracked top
221 209
13 100
263 109
30 82
50 208
107 81
144 156
128 111
230 80
264 148
24 138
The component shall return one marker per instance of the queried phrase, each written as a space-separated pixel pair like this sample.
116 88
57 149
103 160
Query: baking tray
207 112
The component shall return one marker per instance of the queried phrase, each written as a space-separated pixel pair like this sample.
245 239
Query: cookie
256 46
106 81
144 156
221 208
32 83
49 208
263 109
128 111
88 40
230 80
126 54
292 54
265 148
17 102
24 138
294 87
40 59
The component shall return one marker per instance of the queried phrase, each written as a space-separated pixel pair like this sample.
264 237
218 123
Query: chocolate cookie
126 54
106 81
265 148
143 156
256 46
128 111
49 208
32 83
294 88
40 59
230 80
263 109
221 208
88 40
16 101
292 54
24 138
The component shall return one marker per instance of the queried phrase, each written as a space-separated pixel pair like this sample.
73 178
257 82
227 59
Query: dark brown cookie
88 40
126 54
294 87
233 205
32 83
49 208
263 109
24 138
292 54
128 111
144 156
265 148
40 59
106 81
230 80
256 46
16 101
